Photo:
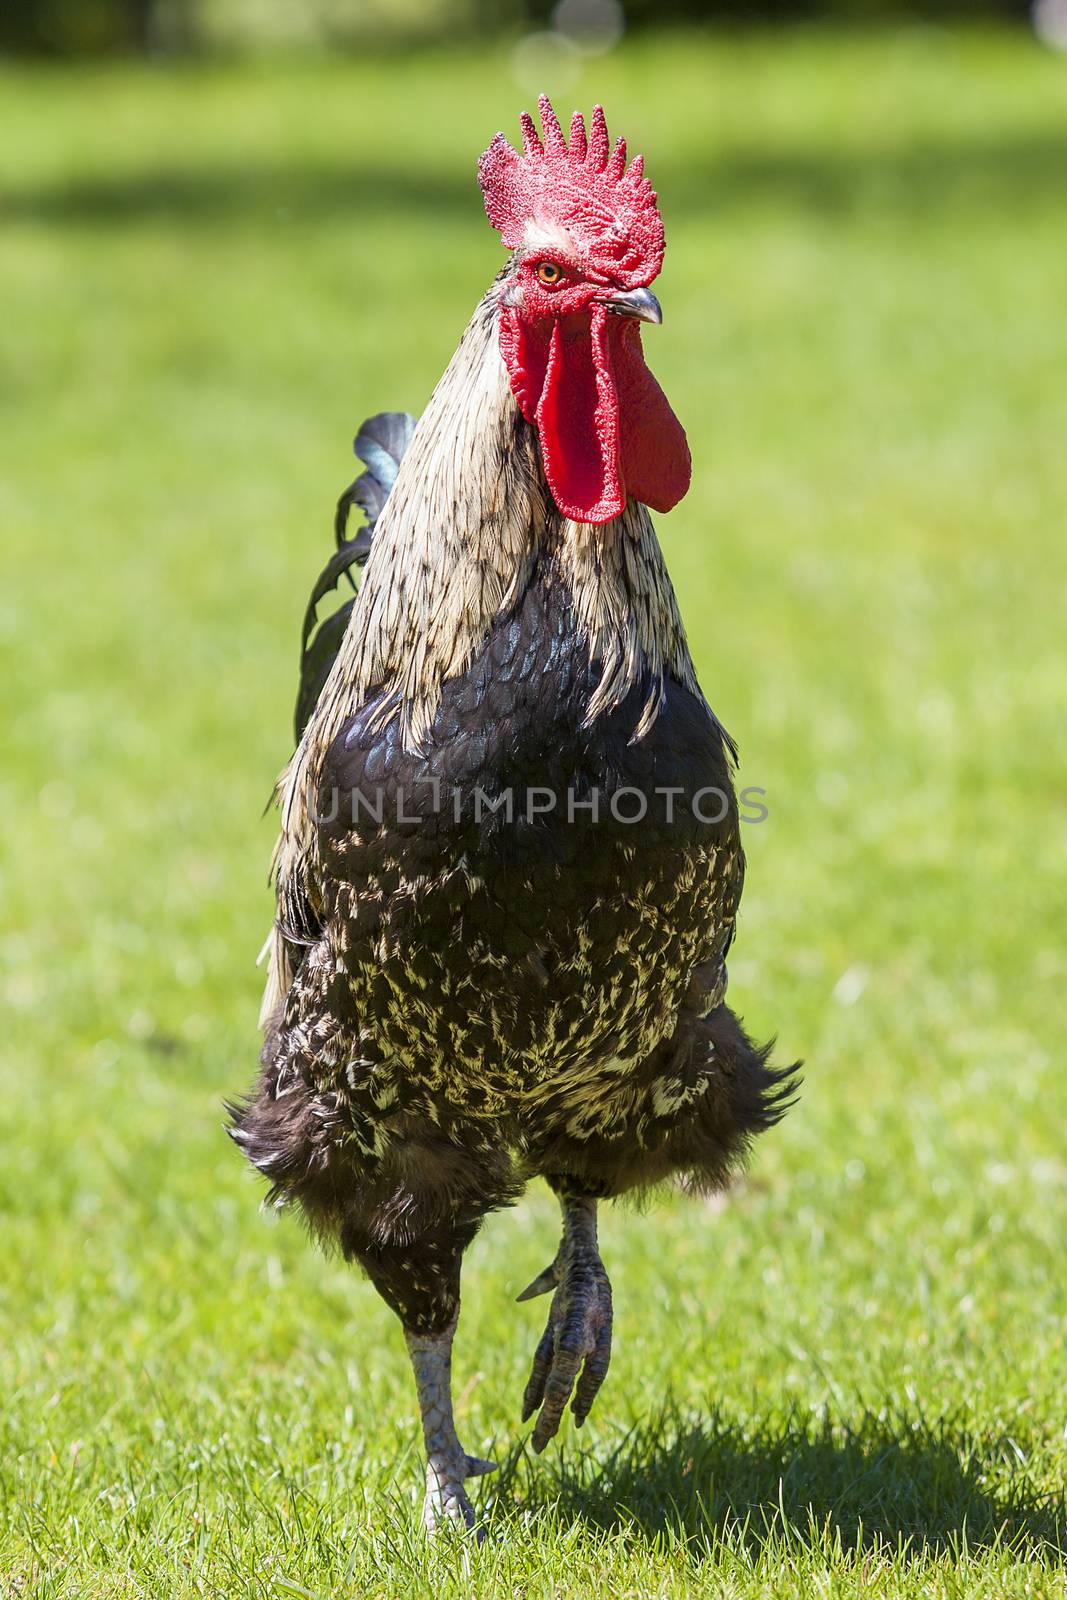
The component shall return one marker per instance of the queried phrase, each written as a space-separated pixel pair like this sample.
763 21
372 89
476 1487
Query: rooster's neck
455 542
454 549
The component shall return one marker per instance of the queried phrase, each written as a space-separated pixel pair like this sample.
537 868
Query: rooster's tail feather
380 444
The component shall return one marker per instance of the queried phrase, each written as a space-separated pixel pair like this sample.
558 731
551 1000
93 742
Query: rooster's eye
548 272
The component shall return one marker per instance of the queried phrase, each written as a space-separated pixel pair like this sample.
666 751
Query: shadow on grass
922 1488
1011 175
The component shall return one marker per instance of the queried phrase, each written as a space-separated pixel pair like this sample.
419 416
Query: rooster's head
588 241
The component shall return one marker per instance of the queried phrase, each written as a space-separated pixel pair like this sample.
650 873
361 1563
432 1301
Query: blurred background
230 230
72 27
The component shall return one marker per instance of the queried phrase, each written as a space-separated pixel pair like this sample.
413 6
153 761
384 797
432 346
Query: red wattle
656 465
606 428
578 421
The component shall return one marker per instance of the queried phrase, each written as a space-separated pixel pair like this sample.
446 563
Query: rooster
509 864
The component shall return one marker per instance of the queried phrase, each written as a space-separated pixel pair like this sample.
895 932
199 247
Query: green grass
848 1378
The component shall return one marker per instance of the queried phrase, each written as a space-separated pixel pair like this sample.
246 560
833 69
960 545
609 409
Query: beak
640 303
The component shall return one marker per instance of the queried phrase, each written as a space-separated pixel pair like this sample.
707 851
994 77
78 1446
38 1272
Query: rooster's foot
578 1329
445 1499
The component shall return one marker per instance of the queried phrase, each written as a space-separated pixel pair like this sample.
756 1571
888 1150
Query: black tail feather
380 444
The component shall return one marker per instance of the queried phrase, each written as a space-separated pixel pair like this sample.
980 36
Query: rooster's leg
579 1325
419 1280
447 1463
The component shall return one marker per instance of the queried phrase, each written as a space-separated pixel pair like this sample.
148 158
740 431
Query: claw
477 1468
573 1353
535 1387
593 1374
544 1283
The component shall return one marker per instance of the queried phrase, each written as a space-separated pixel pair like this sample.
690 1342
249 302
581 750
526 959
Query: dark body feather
484 994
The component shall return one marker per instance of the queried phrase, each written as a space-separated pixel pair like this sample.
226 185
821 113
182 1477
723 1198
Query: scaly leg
447 1463
579 1325
419 1280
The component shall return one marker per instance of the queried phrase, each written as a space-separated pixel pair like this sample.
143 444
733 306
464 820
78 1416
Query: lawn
847 1377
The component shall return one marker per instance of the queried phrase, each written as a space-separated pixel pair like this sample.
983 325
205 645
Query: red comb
609 208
